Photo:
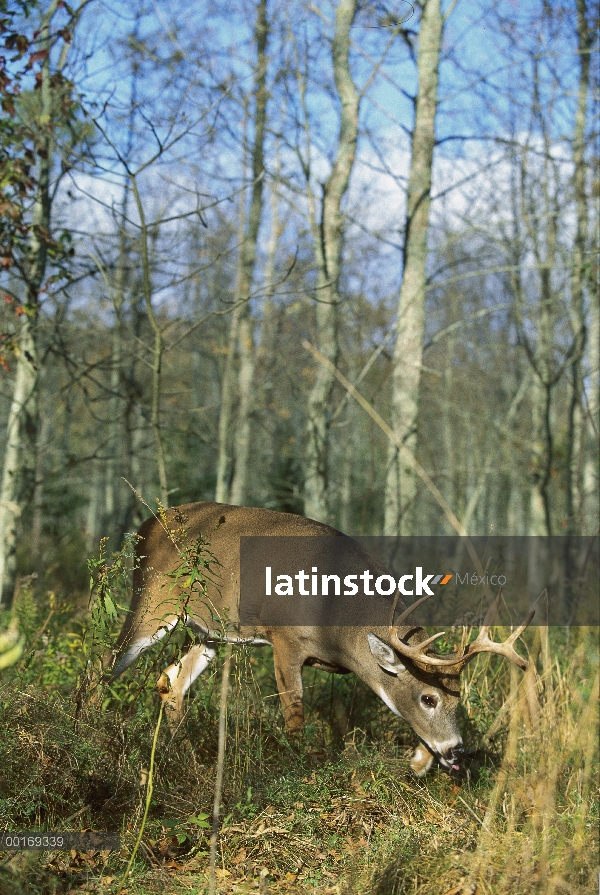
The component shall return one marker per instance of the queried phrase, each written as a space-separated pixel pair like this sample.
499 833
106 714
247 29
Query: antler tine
418 652
408 611
520 629
483 644
393 610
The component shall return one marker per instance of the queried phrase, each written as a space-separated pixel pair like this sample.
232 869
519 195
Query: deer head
424 687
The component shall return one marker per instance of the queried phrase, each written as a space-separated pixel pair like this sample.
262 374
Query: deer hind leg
288 674
177 679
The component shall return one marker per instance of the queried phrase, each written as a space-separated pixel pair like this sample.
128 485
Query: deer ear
385 655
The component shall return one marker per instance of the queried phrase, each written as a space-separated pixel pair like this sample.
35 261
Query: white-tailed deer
394 661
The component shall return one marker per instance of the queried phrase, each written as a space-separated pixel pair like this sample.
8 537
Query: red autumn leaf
36 57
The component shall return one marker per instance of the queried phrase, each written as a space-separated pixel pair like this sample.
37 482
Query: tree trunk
19 452
228 384
539 510
401 483
328 242
448 414
92 526
239 484
133 512
268 326
576 443
591 484
241 435
543 454
347 468
38 494
115 422
157 352
539 215
19 456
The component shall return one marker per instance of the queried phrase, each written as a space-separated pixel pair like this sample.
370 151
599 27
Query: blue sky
201 46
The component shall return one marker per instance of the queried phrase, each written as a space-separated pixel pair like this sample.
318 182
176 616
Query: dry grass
311 817
539 830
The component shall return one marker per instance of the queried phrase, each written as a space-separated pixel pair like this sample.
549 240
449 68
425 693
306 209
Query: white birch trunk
328 241
242 435
19 454
401 483
157 351
228 384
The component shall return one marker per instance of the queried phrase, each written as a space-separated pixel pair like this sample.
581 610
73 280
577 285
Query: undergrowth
336 812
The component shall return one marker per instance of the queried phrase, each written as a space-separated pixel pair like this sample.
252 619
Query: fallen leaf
461 889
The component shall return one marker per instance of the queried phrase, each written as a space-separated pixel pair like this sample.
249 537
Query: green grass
326 814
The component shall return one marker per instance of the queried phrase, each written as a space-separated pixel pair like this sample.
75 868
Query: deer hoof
163 684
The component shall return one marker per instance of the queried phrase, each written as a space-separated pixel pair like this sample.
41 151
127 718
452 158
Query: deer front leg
421 761
176 680
288 674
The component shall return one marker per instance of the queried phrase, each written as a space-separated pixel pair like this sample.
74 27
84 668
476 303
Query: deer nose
455 753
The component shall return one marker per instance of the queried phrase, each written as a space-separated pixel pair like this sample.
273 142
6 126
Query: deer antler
481 644
406 612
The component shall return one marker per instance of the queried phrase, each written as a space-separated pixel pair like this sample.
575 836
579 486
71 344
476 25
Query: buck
395 661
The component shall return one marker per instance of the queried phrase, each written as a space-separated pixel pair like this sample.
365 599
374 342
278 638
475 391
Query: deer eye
429 701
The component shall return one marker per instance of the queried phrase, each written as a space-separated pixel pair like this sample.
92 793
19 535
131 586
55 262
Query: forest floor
334 813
